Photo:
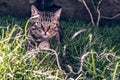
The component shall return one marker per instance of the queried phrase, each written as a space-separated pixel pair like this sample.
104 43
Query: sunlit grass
102 44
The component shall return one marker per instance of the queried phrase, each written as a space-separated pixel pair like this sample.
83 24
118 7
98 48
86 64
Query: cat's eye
33 28
37 23
54 28
54 24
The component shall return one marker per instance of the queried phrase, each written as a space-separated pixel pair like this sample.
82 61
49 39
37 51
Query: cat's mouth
45 36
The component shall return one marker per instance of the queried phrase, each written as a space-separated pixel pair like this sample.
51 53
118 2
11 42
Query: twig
81 63
93 4
90 13
82 60
99 16
76 33
99 13
105 17
31 53
109 54
57 59
64 50
71 70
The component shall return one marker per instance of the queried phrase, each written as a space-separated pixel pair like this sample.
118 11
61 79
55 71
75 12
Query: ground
97 48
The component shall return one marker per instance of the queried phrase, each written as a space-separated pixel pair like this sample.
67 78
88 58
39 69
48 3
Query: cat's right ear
34 10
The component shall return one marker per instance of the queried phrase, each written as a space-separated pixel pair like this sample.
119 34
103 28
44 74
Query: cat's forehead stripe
46 17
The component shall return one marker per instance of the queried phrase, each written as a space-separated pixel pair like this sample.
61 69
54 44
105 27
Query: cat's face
44 24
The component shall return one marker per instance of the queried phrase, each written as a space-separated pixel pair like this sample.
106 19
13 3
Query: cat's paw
44 45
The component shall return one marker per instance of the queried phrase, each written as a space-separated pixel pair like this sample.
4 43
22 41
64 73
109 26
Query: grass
97 48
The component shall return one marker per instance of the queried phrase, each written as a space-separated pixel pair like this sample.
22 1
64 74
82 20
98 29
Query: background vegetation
102 44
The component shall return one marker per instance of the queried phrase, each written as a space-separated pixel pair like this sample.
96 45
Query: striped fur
42 27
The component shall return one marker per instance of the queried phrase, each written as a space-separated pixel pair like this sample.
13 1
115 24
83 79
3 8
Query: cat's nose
46 29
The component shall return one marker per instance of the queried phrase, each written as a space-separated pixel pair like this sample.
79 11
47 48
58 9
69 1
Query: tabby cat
42 27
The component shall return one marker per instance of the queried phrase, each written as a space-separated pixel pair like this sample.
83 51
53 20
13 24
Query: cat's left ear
57 13
34 10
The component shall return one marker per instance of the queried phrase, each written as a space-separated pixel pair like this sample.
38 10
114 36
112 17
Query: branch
105 17
81 62
77 33
31 54
97 8
99 13
90 13
57 59
93 4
